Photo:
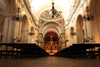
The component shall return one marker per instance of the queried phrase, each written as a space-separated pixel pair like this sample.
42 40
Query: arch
51 46
51 29
79 30
25 25
79 23
51 22
24 30
48 34
39 8
51 26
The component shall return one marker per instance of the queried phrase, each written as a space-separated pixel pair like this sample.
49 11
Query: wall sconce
31 33
72 31
88 17
17 17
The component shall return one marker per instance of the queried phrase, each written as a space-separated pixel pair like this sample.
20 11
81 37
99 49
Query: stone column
89 31
40 39
7 34
85 29
59 45
68 38
16 27
8 30
22 36
63 40
88 28
26 36
4 40
42 43
19 30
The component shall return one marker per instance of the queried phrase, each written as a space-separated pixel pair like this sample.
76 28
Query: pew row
22 51
80 51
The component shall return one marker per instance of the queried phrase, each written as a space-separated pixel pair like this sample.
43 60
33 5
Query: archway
51 42
51 26
24 30
51 29
79 30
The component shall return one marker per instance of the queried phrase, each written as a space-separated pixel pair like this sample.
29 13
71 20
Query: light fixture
88 17
72 31
17 17
31 33
53 12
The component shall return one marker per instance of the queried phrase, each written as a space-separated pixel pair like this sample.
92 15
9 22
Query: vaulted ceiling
39 6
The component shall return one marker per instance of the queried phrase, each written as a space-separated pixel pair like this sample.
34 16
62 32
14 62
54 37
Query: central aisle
50 61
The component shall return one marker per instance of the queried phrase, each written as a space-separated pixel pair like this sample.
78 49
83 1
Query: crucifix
51 42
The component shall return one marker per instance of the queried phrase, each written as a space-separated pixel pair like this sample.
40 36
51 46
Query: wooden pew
80 51
26 50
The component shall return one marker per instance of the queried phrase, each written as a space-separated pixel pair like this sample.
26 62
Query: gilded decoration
48 15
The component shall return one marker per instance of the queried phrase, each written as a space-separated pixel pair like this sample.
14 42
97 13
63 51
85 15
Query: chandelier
31 33
88 17
54 12
17 17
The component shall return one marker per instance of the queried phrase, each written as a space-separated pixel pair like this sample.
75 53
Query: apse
51 42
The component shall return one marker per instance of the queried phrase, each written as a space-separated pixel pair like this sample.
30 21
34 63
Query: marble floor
50 61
